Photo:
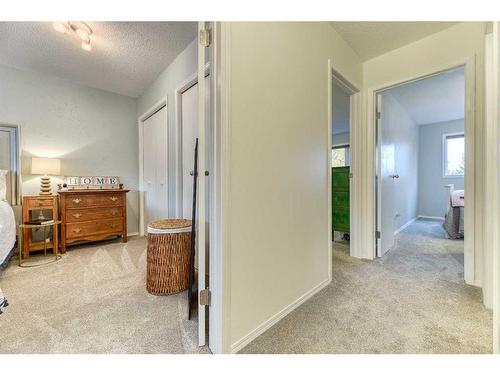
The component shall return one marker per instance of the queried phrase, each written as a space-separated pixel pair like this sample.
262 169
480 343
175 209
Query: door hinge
378 115
377 234
205 38
205 297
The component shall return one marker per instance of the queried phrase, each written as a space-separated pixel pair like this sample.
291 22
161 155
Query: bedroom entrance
421 167
342 92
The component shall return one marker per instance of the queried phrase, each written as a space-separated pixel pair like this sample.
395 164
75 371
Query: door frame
354 159
140 127
469 65
354 108
185 85
492 175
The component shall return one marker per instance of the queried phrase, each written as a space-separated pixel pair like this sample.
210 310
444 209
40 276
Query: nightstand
45 207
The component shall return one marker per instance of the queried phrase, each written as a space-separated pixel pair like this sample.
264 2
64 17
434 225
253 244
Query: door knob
395 176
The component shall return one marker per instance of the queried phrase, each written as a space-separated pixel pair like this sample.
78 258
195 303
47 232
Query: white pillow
3 184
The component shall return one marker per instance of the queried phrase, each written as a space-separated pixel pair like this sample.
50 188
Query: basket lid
169 226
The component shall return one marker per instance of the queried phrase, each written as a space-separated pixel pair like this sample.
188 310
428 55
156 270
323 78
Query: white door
386 183
155 166
189 131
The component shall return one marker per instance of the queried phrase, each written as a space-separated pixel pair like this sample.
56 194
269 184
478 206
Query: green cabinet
340 199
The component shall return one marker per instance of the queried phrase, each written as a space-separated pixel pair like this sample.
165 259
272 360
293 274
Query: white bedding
7 230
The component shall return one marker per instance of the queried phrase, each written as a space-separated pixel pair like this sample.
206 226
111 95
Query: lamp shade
48 166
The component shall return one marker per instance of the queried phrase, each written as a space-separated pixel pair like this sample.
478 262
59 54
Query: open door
386 175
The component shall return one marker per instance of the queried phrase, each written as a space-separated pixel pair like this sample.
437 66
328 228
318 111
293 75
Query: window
9 160
453 155
340 156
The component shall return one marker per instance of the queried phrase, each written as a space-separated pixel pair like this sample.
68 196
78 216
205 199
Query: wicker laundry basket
169 245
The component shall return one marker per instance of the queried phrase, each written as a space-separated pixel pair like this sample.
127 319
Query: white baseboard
132 234
402 227
431 217
245 340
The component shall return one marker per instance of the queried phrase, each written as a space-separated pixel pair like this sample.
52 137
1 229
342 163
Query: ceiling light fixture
61 27
87 46
81 29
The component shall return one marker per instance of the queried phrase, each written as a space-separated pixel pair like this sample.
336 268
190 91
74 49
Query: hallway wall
278 245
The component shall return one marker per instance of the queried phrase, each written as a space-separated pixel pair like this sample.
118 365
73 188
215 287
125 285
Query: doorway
341 118
421 172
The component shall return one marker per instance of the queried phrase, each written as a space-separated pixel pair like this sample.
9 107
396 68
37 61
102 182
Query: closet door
155 166
189 115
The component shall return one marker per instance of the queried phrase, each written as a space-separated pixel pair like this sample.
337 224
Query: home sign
92 182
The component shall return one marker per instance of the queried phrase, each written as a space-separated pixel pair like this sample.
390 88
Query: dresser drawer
94 200
75 215
34 204
77 230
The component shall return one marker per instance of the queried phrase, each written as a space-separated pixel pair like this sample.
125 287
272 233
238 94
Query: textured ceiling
435 99
126 57
370 39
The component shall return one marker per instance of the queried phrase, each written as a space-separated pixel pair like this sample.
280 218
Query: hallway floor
94 300
412 300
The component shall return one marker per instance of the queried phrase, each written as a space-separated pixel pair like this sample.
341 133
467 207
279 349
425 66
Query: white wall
404 133
450 46
340 139
432 196
278 215
184 65
94 132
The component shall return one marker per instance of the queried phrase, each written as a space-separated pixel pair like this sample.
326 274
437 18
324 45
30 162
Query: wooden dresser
92 215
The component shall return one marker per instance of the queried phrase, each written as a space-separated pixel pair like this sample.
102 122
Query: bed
454 218
7 224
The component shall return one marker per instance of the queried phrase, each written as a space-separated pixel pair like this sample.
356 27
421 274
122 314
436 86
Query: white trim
469 65
185 85
445 153
430 217
133 234
140 126
492 180
244 341
329 129
402 227
220 257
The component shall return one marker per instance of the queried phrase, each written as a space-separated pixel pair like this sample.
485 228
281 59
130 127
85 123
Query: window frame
348 156
447 136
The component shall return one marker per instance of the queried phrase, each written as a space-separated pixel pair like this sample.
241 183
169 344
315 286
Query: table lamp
45 167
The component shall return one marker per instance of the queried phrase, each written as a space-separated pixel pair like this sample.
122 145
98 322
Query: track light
87 46
61 27
81 29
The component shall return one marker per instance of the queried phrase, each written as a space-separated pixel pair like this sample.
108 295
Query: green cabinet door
340 199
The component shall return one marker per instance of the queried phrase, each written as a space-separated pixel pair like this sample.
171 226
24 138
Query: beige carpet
93 300
412 300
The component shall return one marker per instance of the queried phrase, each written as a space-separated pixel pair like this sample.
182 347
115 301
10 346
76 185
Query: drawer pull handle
77 230
114 225
114 212
40 203
114 199
77 215
77 200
